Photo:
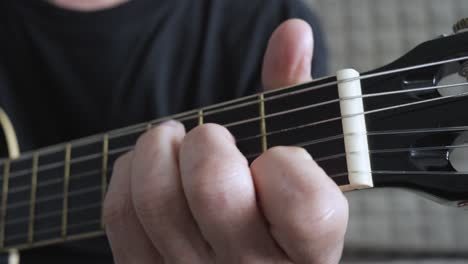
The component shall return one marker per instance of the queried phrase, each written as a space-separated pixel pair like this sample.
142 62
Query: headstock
422 142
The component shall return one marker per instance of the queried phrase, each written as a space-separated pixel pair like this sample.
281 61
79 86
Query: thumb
288 57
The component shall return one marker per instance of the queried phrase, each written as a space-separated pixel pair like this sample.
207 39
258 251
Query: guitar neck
56 194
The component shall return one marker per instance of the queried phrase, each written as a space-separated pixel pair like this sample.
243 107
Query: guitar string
410 104
396 150
450 173
55 229
303 144
279 131
310 88
90 190
57 213
60 164
142 126
42 168
96 222
373 111
17 221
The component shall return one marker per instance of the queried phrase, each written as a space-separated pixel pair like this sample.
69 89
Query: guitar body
11 257
11 143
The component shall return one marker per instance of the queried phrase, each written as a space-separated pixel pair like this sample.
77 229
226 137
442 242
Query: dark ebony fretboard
56 194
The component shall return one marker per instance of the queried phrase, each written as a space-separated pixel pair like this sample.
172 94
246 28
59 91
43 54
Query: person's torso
66 74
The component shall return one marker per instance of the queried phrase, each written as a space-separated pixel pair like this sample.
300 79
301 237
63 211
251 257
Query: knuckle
157 134
214 184
147 202
205 133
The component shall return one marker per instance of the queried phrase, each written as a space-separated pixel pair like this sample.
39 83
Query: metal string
303 144
193 114
80 192
20 220
55 229
59 164
329 120
57 213
89 190
402 173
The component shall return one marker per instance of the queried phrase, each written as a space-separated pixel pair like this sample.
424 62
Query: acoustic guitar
403 125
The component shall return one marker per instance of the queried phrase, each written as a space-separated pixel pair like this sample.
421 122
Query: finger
159 199
307 212
219 187
127 238
288 58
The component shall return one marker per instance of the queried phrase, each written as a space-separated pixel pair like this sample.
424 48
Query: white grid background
365 34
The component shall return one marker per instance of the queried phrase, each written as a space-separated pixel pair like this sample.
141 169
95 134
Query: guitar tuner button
461 25
464 70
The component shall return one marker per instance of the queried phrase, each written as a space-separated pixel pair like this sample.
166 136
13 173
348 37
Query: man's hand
192 198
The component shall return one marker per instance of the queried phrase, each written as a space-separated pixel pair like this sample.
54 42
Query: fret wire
263 130
148 128
6 176
310 124
310 87
32 207
56 240
322 140
72 161
200 117
191 115
337 118
105 160
54 181
68 165
66 182
400 149
336 175
55 229
272 115
21 220
56 197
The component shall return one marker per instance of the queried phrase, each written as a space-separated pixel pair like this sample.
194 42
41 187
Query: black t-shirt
67 74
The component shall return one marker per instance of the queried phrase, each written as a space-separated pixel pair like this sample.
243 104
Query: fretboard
56 194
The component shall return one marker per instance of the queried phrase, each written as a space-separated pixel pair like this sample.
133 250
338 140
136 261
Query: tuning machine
463 205
455 72
462 26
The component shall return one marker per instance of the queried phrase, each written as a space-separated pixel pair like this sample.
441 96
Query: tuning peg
464 70
461 25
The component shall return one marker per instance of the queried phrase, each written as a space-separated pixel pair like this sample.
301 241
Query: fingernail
171 123
307 155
